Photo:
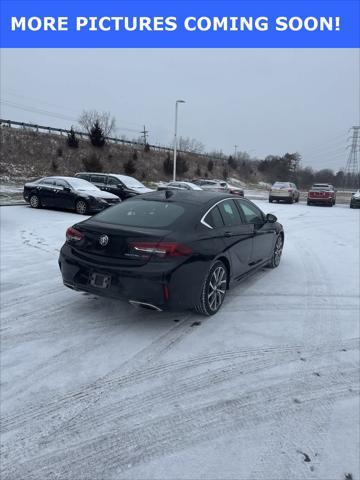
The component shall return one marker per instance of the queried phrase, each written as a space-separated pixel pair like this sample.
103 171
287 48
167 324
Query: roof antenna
168 194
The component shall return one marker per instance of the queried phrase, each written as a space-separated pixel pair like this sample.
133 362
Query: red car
321 194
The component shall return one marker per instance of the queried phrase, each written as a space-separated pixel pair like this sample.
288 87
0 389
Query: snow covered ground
267 389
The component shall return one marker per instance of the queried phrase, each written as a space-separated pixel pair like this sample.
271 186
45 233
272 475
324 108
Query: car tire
291 200
34 201
307 202
270 200
81 207
276 256
212 296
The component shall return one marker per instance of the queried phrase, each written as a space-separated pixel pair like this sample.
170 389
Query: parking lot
266 389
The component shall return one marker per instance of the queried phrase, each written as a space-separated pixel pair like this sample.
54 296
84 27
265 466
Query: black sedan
171 249
68 193
355 200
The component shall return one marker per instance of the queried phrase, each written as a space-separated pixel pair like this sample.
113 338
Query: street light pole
175 136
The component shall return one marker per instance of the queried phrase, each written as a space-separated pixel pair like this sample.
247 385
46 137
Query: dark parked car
321 194
171 249
355 200
121 185
68 193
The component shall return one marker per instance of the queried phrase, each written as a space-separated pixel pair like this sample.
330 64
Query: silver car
285 191
179 186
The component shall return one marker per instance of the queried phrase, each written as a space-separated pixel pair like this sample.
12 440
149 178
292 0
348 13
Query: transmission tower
144 133
352 164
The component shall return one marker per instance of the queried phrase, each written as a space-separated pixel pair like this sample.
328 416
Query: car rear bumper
320 200
282 196
152 283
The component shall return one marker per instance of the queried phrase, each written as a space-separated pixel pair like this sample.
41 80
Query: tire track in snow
306 433
118 449
133 408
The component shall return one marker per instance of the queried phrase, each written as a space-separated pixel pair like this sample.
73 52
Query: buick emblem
104 240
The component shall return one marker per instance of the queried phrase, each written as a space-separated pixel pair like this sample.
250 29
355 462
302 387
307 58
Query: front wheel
214 290
276 256
81 207
34 201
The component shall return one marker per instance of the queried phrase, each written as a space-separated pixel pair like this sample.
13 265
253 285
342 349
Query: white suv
285 191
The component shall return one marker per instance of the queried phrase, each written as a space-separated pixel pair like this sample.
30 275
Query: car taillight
160 249
290 190
73 235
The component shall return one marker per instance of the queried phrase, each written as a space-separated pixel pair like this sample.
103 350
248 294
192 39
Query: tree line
99 125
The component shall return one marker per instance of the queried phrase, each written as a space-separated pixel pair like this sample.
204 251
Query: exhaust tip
148 306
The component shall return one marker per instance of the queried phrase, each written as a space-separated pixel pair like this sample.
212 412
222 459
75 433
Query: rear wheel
214 290
270 200
308 202
276 256
34 201
291 200
81 207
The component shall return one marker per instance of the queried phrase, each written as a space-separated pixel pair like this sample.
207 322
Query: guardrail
84 135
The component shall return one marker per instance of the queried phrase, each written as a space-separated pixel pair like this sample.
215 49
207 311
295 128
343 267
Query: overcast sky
265 101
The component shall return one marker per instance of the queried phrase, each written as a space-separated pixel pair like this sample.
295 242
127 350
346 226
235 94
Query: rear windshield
319 186
281 184
142 213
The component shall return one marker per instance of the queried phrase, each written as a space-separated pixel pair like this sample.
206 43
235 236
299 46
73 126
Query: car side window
113 182
84 176
98 179
251 213
61 183
230 214
214 218
47 181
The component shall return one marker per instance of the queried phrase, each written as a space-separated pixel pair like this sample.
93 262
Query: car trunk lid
107 243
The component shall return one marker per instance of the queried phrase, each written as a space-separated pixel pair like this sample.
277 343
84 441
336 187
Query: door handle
228 234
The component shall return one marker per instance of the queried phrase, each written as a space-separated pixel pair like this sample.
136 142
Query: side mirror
270 218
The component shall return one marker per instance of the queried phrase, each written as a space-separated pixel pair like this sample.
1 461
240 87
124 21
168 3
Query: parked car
68 193
321 194
121 185
179 186
171 249
355 200
286 191
218 186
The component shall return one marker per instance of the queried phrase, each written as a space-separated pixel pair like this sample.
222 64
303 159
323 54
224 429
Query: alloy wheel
34 201
81 207
217 288
278 250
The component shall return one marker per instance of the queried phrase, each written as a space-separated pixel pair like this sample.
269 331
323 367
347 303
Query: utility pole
144 133
175 136
235 150
352 164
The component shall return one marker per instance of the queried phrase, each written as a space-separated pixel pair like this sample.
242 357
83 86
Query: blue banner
180 24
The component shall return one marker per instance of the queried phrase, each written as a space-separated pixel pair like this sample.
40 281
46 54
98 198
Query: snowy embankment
266 389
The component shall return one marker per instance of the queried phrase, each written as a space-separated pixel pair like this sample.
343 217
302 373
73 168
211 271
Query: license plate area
99 280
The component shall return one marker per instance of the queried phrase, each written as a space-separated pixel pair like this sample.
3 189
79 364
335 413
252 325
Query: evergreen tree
96 135
168 165
129 167
72 140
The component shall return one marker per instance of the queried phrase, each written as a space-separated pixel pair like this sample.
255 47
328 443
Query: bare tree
89 118
191 145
